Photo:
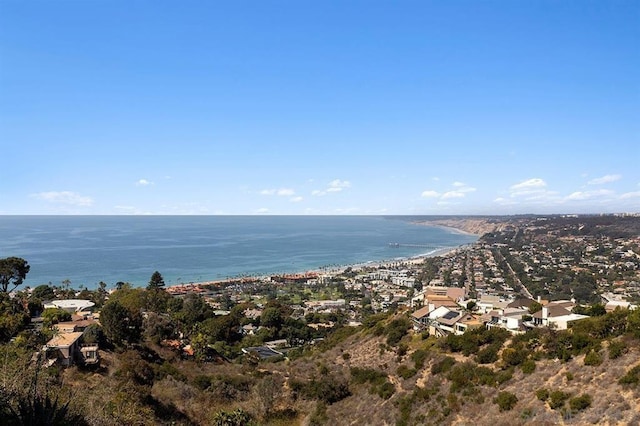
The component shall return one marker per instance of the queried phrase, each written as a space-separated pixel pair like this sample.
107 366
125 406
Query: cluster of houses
70 345
444 311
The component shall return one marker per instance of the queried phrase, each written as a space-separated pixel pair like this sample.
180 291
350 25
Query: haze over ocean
89 249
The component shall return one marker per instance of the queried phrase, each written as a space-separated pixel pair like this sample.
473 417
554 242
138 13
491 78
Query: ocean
90 249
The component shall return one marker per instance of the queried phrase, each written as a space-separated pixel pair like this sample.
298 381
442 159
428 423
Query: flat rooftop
64 339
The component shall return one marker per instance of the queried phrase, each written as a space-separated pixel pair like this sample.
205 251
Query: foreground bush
632 377
506 401
581 402
327 389
557 399
237 417
593 358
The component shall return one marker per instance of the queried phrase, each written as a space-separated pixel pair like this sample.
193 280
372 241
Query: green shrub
202 382
632 377
514 355
327 389
443 365
419 357
505 400
593 358
473 340
396 330
364 375
386 390
488 355
581 402
616 349
373 320
467 375
557 399
542 394
528 366
503 376
237 417
406 372
402 350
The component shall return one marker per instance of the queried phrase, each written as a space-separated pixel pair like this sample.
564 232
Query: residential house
557 314
68 349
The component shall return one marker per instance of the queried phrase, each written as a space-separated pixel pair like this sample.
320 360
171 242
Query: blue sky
319 107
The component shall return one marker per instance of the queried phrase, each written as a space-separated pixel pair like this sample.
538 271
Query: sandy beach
465 226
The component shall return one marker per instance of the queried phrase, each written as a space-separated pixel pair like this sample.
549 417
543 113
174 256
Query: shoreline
470 226
338 268
314 273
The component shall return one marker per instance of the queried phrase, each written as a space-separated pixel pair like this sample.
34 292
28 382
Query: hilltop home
67 349
558 314
67 346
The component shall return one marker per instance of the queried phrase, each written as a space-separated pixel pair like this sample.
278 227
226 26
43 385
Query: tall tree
13 271
156 282
120 324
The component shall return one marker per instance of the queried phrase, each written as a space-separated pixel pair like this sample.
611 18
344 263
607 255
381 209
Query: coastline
213 249
314 273
463 226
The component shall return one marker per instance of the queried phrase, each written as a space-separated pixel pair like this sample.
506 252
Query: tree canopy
156 282
13 271
120 324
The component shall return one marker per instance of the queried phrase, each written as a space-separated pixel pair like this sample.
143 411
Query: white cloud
282 192
64 197
263 210
452 194
505 202
529 184
530 187
533 191
459 190
285 192
628 195
430 194
435 178
144 182
604 179
335 185
338 185
465 189
587 195
296 199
